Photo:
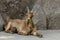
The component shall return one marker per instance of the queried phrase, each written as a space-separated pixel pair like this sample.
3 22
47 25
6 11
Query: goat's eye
26 15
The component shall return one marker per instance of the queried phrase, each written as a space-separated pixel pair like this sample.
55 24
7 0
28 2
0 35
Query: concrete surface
47 35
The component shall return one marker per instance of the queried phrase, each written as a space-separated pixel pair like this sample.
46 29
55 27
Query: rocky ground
47 35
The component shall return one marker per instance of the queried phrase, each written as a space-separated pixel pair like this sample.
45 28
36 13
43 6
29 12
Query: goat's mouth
29 18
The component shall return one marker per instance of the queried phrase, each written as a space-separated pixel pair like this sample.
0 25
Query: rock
52 10
39 16
1 23
46 12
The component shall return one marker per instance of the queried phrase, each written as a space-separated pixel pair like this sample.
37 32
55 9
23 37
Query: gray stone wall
13 8
46 12
52 10
39 15
1 23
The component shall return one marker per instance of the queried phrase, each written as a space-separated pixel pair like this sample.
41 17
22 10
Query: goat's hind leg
13 30
8 27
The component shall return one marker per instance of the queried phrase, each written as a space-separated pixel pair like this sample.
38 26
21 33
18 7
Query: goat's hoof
6 31
41 36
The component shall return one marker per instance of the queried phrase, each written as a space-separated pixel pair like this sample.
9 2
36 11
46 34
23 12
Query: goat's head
29 14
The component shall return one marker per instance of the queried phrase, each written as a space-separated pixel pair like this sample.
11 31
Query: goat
23 27
31 25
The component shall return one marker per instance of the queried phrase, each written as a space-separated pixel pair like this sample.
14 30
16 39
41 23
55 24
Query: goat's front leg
34 32
7 27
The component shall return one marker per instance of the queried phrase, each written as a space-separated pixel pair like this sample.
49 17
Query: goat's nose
28 18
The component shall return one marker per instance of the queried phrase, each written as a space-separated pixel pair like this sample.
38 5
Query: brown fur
23 27
31 25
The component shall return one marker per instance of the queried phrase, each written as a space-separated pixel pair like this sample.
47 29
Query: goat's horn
28 10
32 10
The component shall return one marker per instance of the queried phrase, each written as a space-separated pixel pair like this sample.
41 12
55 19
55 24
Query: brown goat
31 25
23 27
20 25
